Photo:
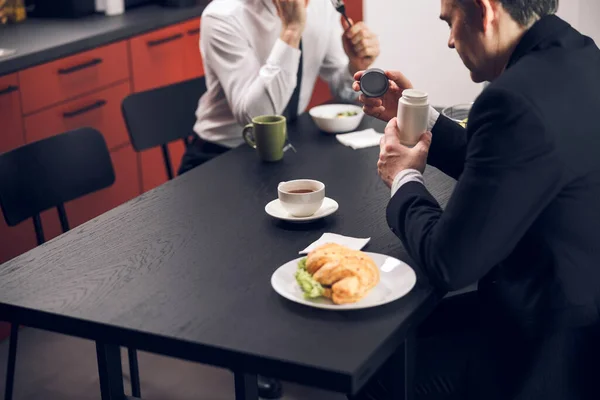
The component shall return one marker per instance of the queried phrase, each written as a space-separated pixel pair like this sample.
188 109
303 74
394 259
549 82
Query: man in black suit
525 214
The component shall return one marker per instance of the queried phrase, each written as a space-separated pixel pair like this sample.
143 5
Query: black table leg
246 387
12 360
410 356
402 370
110 372
134 373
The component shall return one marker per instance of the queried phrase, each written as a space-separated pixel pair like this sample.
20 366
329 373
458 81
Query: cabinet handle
9 89
192 32
70 70
83 110
157 42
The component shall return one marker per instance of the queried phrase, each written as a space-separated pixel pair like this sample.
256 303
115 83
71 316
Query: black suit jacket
524 218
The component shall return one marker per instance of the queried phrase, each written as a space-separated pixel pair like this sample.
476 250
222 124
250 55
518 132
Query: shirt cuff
285 57
433 117
403 177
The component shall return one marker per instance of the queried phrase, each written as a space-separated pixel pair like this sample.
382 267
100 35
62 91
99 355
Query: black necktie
291 111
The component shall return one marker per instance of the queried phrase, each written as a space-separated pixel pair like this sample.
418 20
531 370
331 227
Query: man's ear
487 13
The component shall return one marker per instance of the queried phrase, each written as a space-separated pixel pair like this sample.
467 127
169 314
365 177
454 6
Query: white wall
414 41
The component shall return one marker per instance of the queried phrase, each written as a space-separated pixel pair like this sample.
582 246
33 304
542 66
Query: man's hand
293 20
360 44
386 107
395 157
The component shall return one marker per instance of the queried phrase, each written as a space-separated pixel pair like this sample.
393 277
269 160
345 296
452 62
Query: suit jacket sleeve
510 175
448 147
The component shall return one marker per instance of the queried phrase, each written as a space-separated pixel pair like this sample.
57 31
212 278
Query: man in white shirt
263 57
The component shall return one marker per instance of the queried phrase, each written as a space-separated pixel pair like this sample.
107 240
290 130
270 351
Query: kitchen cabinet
63 79
157 58
100 110
166 56
192 60
11 123
153 167
321 93
125 188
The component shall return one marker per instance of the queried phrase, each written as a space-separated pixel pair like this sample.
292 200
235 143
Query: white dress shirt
412 175
251 72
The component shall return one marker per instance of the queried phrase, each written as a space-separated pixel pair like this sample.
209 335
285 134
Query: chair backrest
159 116
51 172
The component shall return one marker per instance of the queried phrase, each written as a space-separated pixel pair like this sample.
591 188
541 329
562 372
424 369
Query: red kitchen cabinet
321 93
157 58
354 9
192 59
100 110
15 240
11 122
125 188
153 167
63 79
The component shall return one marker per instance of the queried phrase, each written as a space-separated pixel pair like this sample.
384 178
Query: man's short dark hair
526 11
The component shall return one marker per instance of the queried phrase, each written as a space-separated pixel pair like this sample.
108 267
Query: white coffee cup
301 197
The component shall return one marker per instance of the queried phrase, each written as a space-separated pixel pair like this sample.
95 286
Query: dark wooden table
184 270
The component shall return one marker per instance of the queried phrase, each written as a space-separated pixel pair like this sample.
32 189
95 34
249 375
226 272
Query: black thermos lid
374 83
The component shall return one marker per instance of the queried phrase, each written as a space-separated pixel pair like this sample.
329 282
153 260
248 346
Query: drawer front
125 188
158 58
11 121
152 162
61 80
100 110
321 94
192 58
16 240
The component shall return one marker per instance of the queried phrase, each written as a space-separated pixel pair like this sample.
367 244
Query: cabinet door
153 166
64 79
157 58
100 110
16 240
354 9
321 93
11 122
192 59
125 188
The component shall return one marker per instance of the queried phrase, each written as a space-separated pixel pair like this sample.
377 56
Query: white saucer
276 210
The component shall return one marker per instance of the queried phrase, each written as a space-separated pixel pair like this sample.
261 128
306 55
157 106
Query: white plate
275 209
397 280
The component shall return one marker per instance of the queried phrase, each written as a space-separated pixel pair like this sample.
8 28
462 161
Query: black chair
47 174
159 116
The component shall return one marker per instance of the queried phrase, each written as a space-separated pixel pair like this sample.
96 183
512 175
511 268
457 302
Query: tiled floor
57 367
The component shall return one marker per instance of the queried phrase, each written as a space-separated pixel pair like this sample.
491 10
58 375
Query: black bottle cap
374 83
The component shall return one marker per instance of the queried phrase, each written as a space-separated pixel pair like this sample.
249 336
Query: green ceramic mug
267 135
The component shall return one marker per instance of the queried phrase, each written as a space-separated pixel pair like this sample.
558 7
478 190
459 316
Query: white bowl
326 118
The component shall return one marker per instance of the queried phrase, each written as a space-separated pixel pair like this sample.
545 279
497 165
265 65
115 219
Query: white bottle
413 116
115 7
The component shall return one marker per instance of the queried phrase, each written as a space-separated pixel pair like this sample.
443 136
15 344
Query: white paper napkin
350 242
360 139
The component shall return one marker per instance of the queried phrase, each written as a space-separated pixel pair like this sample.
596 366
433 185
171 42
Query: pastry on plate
337 272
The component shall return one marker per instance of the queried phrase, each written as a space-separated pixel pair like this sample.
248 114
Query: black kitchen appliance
70 8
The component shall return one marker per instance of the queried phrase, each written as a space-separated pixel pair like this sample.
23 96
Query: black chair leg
134 373
12 361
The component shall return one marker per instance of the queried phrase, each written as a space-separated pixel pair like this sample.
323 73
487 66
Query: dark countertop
38 41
